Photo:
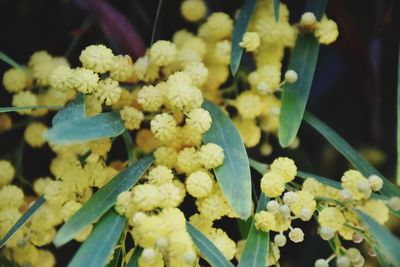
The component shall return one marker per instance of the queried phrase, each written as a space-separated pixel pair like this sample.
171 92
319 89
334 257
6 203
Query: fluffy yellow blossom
296 235
122 69
211 156
160 175
282 223
98 58
84 80
249 105
188 160
8 217
222 241
34 134
131 117
108 91
217 27
7 172
272 184
163 126
377 209
201 222
58 193
40 184
199 184
354 181
124 204
197 71
264 221
183 97
214 206
11 196
16 80
171 195
24 99
291 76
249 131
331 217
61 78
150 258
151 98
162 53
251 41
193 10
304 205
69 209
39 57
148 229
199 120
285 167
146 140
326 31
271 75
375 182
165 156
146 197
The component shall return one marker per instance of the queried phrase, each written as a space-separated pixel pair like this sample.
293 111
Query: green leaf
255 252
82 130
398 119
389 189
240 28
128 146
233 175
276 10
244 226
4 262
15 109
9 61
381 258
73 111
134 260
100 244
115 260
387 243
23 219
295 95
208 250
153 34
102 201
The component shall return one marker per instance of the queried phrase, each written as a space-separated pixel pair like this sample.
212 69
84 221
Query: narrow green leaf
389 189
240 28
73 111
102 200
82 130
381 258
134 260
295 95
153 34
100 244
387 243
14 109
276 10
234 174
256 249
115 260
9 61
208 250
23 219
244 226
4 262
128 146
398 120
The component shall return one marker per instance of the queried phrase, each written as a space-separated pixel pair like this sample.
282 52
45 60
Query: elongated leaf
8 60
389 189
387 243
100 244
255 252
295 95
240 28
23 219
102 201
92 128
381 258
398 119
153 34
208 250
15 109
134 260
128 146
234 174
115 260
4 262
73 111
276 10
244 226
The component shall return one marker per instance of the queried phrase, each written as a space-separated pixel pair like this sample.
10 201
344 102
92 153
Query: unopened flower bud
263 88
273 206
289 198
321 263
357 238
326 233
161 243
345 194
394 203
305 214
284 210
375 182
364 186
148 254
291 76
342 261
189 257
354 254
308 21
280 240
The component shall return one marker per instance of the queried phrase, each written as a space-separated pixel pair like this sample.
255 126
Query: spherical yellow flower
199 184
217 27
188 160
34 134
163 126
151 98
375 182
183 97
351 181
98 58
108 91
11 196
150 258
199 120
162 53
211 156
326 31
193 10
214 206
69 209
197 71
7 172
304 200
202 223
248 130
291 76
296 235
16 80
222 241
124 204
331 217
146 197
131 117
166 156
264 221
285 167
24 99
377 209
272 184
249 105
160 175
61 78
146 140
122 69
84 80
171 195
251 41
57 193
39 57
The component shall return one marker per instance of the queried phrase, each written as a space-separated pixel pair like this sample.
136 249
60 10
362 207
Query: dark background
354 88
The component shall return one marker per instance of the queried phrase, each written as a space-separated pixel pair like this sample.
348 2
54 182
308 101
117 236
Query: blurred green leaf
255 252
244 226
381 258
4 262
240 28
9 61
115 260
94 252
276 10
73 111
134 260
389 189
295 95
23 219
15 109
387 243
86 129
233 175
208 250
398 119
128 146
102 200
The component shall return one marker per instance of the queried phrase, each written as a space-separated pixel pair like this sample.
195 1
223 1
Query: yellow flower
197 71
222 241
162 53
84 80
122 69
69 209
188 160
183 96
98 58
124 205
251 41
199 184
285 167
217 27
163 126
166 156
272 184
326 31
264 221
351 180
331 217
16 80
377 209
296 235
34 134
7 172
108 91
61 78
146 140
11 196
131 117
249 105
304 200
160 175
199 120
248 130
24 99
211 156
151 98
146 197
171 194
193 10
214 206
